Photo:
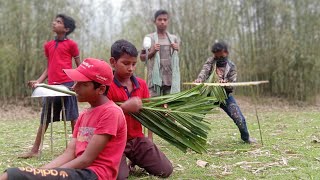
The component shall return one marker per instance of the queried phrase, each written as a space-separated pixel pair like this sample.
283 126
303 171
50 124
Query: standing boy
99 135
126 87
59 53
225 71
163 61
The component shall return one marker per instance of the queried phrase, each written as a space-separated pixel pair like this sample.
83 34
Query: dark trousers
145 154
70 103
29 173
234 112
164 90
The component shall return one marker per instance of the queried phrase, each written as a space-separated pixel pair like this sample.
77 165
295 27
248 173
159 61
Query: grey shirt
165 60
228 73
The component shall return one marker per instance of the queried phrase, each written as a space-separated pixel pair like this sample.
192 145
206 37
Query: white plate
45 92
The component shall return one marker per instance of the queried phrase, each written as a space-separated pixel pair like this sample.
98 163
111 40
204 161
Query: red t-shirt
59 55
104 119
119 93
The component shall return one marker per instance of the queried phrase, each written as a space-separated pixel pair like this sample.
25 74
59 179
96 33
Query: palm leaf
183 123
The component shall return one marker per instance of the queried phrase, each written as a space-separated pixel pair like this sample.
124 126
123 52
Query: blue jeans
232 109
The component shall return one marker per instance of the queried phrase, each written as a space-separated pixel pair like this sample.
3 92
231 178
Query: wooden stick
251 83
255 102
51 124
150 134
64 121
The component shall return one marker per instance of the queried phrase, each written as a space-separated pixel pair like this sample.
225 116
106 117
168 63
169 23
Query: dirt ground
21 111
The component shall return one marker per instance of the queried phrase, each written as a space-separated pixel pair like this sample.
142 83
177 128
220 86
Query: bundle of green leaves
180 118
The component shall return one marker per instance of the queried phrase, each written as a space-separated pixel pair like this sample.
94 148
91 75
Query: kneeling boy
129 88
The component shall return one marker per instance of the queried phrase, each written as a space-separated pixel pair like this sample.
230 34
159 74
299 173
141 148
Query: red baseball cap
92 70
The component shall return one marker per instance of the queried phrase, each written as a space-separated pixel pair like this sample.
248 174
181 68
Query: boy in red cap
126 87
99 136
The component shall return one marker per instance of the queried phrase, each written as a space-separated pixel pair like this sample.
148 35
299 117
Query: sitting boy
99 135
126 87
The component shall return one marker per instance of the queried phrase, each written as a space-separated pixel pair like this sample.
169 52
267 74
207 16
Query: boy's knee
167 172
122 176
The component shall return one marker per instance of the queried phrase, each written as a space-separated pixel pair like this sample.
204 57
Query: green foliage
22 36
26 26
281 46
269 40
179 118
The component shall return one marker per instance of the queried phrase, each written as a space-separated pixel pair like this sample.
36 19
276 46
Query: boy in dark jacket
225 71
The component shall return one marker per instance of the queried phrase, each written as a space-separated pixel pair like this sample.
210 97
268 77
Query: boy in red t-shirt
99 137
126 87
59 53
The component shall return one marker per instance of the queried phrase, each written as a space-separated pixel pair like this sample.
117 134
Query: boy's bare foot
251 141
28 155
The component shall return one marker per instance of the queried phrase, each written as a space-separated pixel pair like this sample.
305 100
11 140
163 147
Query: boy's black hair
160 12
68 22
121 47
97 85
219 46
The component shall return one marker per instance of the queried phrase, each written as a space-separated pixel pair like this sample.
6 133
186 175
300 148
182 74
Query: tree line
269 40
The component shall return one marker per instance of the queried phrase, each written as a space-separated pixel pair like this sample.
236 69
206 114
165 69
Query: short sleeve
110 93
46 51
74 50
109 121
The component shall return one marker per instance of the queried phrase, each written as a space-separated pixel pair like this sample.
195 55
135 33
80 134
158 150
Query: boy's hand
197 81
33 83
175 46
223 81
133 105
166 107
72 87
156 47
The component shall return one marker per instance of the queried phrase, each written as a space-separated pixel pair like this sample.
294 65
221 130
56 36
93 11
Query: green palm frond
183 123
